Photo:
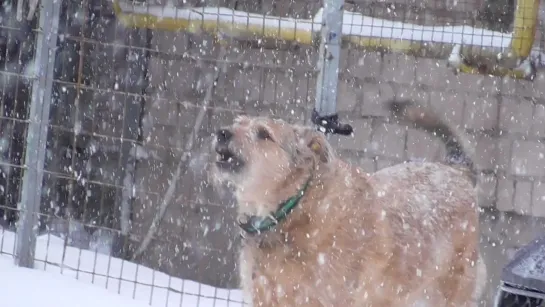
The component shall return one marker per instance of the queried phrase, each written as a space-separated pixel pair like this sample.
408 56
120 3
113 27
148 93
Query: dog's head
259 149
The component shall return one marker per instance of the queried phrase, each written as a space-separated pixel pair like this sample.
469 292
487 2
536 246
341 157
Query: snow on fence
75 169
119 276
476 45
65 71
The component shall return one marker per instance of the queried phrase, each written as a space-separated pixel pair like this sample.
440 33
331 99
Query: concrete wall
197 236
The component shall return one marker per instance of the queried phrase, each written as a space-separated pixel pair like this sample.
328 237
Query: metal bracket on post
324 114
36 139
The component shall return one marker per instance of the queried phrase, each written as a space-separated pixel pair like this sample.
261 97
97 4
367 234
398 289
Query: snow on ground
27 288
101 281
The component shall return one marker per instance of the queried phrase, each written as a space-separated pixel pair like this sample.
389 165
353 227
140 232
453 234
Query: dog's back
432 212
433 224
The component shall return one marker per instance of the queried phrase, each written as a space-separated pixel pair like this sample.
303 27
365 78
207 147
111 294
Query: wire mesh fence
136 88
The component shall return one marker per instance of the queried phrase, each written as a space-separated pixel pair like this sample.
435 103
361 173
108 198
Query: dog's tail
459 148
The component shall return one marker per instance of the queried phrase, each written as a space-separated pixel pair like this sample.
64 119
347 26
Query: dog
320 232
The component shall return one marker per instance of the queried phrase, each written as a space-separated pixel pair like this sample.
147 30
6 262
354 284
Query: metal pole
137 70
36 139
328 63
324 114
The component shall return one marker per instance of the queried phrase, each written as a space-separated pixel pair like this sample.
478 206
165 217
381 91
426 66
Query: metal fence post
137 69
36 138
325 107
328 62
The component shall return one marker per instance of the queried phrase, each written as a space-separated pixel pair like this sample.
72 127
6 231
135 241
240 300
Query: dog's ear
314 143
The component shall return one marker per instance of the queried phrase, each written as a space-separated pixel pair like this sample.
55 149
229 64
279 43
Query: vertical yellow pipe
524 28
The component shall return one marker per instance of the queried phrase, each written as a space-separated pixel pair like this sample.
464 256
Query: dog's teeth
230 160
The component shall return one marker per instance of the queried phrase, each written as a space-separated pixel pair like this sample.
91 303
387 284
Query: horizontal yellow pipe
305 34
239 30
417 49
514 73
428 50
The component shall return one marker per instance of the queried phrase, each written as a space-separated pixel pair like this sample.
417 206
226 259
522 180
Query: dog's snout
223 136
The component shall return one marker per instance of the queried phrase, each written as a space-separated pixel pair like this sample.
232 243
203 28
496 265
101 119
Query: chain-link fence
108 107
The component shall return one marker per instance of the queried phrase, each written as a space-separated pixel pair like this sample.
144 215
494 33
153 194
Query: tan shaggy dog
404 236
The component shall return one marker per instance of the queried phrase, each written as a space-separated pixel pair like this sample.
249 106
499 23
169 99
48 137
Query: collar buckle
255 225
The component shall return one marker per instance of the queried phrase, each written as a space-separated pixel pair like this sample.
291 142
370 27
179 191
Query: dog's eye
263 134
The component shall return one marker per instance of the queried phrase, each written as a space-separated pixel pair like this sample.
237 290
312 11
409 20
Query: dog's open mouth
227 160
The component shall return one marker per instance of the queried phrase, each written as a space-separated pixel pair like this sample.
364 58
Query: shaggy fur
404 236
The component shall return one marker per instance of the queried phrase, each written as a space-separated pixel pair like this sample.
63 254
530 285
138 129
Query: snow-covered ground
27 288
85 278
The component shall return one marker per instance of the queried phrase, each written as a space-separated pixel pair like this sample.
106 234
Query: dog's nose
223 136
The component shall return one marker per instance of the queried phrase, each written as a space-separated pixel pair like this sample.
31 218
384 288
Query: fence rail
107 108
477 46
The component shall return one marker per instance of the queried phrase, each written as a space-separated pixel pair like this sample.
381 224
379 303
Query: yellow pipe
524 27
514 73
428 50
417 49
247 30
522 41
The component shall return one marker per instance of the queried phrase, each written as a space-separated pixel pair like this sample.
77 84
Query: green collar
257 225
